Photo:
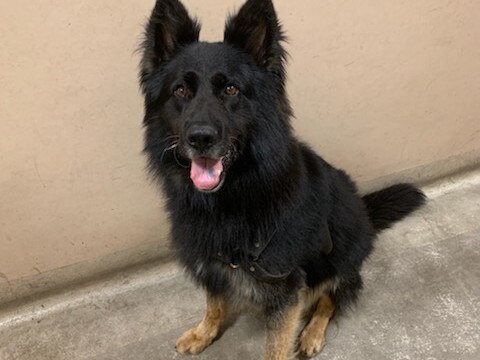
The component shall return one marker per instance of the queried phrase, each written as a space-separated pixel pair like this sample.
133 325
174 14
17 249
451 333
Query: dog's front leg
195 340
282 325
312 339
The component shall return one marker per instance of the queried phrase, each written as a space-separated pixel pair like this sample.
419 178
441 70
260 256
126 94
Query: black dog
257 217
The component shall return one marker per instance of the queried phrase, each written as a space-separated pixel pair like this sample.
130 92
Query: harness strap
260 273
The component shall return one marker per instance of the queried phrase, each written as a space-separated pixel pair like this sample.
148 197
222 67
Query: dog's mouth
208 173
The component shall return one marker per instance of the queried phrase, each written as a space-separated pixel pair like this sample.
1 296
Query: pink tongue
205 173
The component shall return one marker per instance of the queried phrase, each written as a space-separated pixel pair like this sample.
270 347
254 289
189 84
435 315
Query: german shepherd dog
256 216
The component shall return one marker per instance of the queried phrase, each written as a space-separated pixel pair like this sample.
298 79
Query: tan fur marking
195 340
312 339
280 340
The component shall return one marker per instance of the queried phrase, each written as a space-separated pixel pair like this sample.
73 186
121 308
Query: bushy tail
392 204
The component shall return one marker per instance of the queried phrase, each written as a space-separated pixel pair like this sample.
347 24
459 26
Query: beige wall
378 87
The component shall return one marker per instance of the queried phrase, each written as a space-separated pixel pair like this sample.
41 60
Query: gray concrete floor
421 301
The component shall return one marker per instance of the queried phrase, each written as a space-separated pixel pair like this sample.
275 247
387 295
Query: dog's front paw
193 342
310 343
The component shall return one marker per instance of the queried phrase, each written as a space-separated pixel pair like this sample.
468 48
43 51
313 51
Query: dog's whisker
236 140
233 143
176 159
169 148
173 137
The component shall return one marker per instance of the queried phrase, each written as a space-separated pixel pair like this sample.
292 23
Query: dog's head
206 103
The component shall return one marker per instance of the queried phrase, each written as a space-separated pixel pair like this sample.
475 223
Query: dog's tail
392 204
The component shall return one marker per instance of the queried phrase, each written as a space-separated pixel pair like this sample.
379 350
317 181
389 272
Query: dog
257 217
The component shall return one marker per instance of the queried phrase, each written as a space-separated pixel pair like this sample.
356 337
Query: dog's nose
202 137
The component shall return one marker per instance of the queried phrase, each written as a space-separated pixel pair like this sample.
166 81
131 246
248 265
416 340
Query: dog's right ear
169 28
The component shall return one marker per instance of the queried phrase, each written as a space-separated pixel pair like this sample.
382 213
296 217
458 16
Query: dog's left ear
256 29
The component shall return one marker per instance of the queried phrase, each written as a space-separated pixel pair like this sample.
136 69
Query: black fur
392 204
276 192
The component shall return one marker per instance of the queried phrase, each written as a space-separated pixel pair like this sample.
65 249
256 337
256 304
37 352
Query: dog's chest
240 285
244 268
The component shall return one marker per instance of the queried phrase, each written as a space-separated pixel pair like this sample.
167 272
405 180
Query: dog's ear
256 29
169 28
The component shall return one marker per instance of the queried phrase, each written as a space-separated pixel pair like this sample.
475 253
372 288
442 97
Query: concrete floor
421 301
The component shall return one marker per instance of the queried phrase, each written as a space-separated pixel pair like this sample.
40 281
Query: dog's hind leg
312 339
195 340
281 330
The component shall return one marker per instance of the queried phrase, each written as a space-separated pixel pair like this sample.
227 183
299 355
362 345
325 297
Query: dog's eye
180 91
231 90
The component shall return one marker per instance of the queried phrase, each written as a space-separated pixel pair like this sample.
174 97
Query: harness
250 263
